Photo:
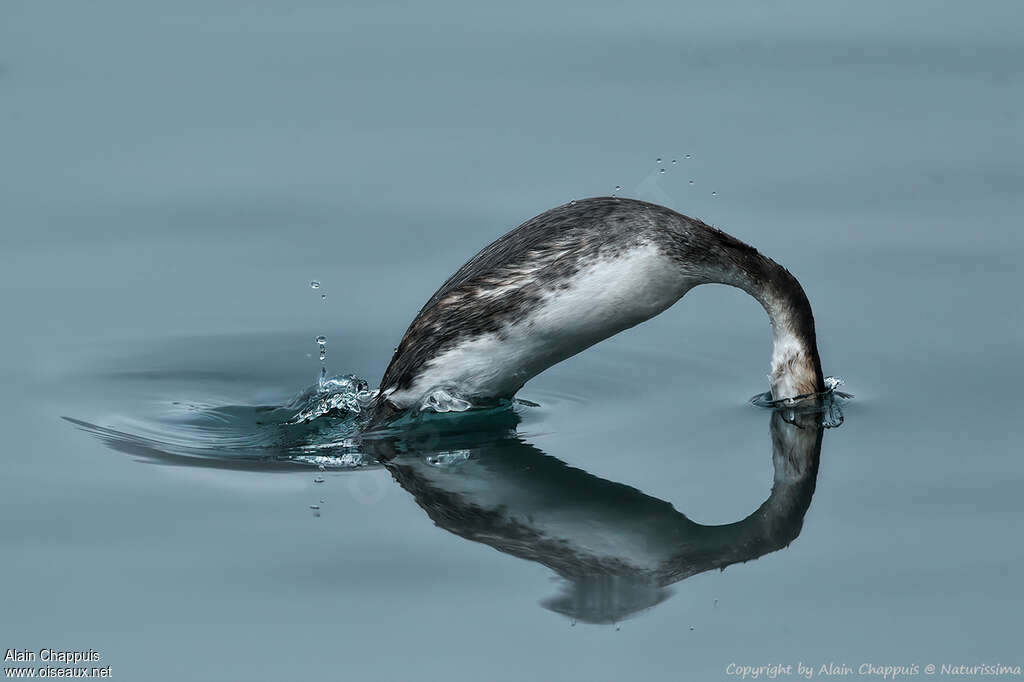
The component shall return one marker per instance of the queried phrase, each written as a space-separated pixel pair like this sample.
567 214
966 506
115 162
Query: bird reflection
616 548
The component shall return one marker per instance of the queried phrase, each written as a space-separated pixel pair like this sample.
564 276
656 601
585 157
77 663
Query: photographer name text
881 671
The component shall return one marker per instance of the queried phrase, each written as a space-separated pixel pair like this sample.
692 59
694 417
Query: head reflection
616 548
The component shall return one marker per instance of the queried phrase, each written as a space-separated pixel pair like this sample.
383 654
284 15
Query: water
173 181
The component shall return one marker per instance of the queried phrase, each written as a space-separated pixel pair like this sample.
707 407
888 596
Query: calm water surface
172 181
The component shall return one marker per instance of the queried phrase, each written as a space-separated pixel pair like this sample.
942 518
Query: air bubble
441 400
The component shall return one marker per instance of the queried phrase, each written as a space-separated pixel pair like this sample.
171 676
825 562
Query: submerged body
573 276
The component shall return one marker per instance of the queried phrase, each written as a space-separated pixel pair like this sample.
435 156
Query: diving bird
573 276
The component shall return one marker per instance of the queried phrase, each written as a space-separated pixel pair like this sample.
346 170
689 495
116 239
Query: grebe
573 276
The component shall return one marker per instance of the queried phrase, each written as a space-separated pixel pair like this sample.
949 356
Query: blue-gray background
172 177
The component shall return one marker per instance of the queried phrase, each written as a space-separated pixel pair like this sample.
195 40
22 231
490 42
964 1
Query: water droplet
691 182
673 161
321 467
315 507
662 170
323 353
319 479
323 297
618 187
315 284
321 500
714 194
658 160
617 627
321 339
688 156
691 628
572 203
572 623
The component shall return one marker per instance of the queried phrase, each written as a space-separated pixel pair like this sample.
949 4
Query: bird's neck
795 365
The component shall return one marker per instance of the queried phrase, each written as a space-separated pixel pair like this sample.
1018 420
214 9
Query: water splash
321 342
828 402
343 396
320 427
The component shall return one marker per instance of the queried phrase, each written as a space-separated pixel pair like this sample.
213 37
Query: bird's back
511 275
